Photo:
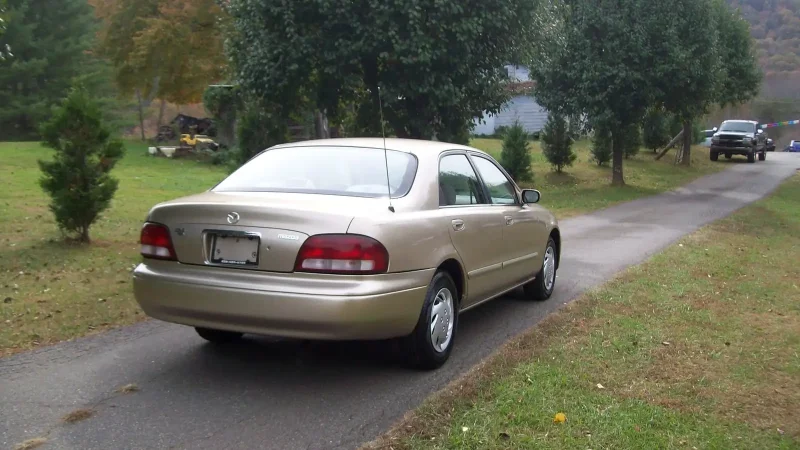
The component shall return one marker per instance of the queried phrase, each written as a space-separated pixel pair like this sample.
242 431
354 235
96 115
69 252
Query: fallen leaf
666 343
560 418
504 436
464 429
780 431
600 386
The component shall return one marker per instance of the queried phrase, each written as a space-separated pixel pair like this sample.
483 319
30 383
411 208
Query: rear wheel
541 288
429 345
714 156
751 157
218 336
762 156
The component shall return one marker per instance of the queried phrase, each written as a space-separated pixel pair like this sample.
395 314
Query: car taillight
156 242
342 254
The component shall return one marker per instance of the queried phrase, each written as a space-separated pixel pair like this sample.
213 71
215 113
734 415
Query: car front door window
458 183
501 191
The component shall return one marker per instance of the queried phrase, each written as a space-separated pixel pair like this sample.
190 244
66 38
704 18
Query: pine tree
77 179
633 140
48 43
516 154
557 143
654 129
601 145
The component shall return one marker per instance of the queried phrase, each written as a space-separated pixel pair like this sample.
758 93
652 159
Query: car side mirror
760 131
714 129
531 196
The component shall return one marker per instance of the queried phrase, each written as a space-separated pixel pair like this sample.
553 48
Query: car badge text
233 217
289 237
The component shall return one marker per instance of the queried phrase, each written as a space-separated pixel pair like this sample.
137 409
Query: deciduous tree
438 64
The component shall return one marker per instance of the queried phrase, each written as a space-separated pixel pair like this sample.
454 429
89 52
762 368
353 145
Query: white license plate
237 250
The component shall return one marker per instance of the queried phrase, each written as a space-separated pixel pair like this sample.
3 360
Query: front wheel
751 157
428 347
714 156
541 288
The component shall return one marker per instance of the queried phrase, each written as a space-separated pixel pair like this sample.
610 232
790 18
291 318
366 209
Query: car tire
714 156
541 288
751 157
762 156
218 336
441 304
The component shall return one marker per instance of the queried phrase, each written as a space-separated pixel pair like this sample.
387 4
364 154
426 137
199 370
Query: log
669 146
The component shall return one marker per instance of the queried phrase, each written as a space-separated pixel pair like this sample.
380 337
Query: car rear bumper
309 306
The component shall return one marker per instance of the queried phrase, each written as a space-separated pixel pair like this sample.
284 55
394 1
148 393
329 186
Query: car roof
740 120
418 147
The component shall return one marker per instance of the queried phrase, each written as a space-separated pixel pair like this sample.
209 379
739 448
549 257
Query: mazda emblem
233 217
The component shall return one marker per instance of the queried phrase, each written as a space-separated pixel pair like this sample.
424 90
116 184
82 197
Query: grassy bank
53 291
697 348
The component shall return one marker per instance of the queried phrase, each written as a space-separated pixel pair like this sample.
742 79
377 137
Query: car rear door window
458 183
501 191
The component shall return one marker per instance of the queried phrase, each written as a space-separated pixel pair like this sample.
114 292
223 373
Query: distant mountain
775 24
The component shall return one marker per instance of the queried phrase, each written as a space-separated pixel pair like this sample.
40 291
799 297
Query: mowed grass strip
697 348
52 291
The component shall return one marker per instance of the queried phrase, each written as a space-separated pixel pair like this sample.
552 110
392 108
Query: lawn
585 186
53 291
697 348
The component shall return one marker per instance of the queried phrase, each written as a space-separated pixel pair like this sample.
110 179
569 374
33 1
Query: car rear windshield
349 171
738 127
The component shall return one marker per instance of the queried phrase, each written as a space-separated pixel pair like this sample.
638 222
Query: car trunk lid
253 230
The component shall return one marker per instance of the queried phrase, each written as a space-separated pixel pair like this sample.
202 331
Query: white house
521 107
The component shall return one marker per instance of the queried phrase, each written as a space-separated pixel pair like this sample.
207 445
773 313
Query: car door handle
458 224
509 220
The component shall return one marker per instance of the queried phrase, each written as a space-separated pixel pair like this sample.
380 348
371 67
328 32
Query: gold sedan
313 240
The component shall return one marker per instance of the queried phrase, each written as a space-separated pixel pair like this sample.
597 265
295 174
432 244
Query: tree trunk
618 145
321 125
141 112
670 145
85 235
686 159
161 109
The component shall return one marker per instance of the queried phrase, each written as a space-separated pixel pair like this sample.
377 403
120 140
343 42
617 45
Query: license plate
236 250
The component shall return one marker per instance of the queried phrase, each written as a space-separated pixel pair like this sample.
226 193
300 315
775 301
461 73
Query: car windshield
738 127
349 171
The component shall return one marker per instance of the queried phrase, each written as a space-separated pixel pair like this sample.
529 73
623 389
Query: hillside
775 24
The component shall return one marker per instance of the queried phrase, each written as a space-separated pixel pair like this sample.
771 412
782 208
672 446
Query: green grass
52 291
585 186
697 348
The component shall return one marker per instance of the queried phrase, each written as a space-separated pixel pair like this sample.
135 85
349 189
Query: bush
557 143
633 141
78 179
602 146
516 154
654 130
257 131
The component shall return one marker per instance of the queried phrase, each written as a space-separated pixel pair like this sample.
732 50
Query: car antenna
385 152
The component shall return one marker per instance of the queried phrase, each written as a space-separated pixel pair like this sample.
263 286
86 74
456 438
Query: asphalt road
270 394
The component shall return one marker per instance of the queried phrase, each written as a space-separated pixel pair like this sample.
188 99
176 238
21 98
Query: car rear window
348 171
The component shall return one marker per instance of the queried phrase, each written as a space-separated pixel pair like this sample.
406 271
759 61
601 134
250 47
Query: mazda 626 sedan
311 240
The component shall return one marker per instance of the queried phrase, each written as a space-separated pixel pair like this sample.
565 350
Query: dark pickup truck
739 137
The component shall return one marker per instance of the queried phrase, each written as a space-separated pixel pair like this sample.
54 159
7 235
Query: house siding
530 114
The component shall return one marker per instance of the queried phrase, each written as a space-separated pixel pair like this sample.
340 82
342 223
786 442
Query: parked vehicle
794 146
708 135
739 137
310 240
770 145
